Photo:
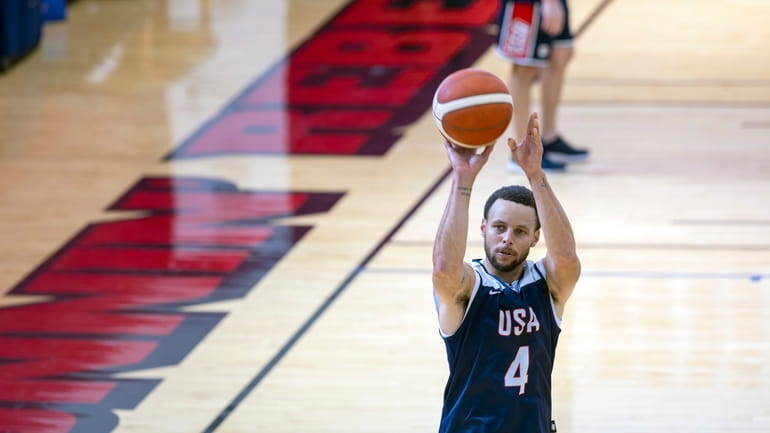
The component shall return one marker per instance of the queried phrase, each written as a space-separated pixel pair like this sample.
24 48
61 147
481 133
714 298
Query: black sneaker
559 150
548 166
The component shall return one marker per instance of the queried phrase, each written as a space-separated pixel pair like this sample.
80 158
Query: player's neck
509 277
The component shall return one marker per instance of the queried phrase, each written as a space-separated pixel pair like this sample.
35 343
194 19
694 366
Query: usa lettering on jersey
517 322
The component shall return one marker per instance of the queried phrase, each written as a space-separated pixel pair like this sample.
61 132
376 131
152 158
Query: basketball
472 107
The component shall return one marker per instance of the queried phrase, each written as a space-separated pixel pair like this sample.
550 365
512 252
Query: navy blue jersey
501 357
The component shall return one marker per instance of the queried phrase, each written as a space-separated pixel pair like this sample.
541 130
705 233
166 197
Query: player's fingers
532 123
512 144
451 146
533 129
487 151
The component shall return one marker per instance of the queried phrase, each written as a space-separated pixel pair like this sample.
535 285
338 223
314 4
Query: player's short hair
517 194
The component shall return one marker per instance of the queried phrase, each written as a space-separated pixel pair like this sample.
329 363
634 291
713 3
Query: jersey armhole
476 285
540 268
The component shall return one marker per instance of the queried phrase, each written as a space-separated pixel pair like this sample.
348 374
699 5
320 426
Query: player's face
509 232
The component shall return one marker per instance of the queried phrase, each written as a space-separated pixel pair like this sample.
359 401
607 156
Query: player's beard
518 260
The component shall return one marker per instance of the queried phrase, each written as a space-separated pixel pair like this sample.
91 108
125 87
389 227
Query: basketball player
534 35
500 316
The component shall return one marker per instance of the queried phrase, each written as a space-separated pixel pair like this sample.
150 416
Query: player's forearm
452 235
559 238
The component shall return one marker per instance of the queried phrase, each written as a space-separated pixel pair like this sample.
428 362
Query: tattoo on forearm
464 190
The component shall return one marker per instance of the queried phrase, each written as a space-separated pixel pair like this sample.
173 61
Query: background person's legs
522 79
554 146
551 84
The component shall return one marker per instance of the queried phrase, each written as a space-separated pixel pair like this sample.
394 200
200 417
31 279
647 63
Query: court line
665 103
705 222
755 125
622 246
753 277
667 82
321 309
669 247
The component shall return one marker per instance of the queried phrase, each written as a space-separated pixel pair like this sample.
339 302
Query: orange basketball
472 107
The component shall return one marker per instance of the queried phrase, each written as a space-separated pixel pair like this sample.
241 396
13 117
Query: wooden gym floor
217 216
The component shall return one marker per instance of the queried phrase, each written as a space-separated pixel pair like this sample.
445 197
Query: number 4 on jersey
517 371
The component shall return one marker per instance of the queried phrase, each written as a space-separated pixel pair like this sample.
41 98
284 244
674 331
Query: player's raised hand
467 160
529 153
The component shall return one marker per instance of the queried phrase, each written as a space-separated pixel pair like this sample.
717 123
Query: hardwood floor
211 224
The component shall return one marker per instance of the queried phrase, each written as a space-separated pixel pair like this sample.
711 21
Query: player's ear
483 226
535 238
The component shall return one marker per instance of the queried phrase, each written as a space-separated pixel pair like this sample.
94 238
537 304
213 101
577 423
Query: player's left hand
529 153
